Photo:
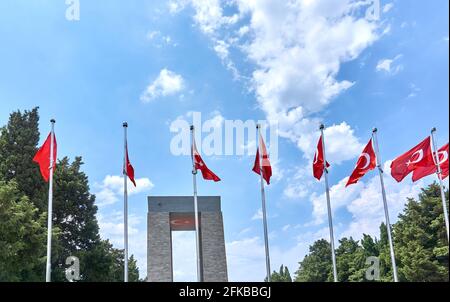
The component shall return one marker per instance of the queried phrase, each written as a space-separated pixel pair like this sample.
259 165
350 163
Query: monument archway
167 214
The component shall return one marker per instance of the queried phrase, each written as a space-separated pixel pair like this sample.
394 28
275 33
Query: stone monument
167 214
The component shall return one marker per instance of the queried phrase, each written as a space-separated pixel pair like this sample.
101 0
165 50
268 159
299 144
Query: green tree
316 266
74 212
420 243
18 141
103 263
370 246
282 275
384 255
420 238
350 260
22 236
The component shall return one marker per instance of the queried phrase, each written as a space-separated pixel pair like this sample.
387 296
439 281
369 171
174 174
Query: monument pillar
167 214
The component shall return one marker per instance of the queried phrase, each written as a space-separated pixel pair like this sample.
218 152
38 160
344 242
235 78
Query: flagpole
439 176
50 206
125 204
197 233
263 201
330 219
386 212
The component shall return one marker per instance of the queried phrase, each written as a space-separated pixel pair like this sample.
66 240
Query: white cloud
277 171
243 265
243 31
405 24
414 90
158 39
221 49
216 120
297 48
364 202
389 66
167 83
244 231
341 145
184 257
247 267
340 140
297 65
111 189
209 15
367 209
176 6
112 227
258 215
300 184
152 34
339 197
387 7
286 227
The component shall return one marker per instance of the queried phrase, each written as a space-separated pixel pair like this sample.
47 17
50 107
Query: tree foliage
282 275
23 212
420 244
421 240
18 145
22 236
316 266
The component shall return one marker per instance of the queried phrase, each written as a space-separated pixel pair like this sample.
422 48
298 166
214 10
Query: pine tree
282 275
76 231
74 213
316 266
420 244
18 145
370 246
420 238
386 273
105 263
22 236
369 249
350 260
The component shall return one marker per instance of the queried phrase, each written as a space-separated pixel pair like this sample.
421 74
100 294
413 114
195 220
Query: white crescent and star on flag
418 159
367 162
443 156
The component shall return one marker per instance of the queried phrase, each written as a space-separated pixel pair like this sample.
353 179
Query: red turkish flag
42 157
367 161
419 156
318 166
421 172
265 164
129 170
200 165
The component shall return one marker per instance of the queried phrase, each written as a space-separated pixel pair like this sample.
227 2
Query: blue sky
300 62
